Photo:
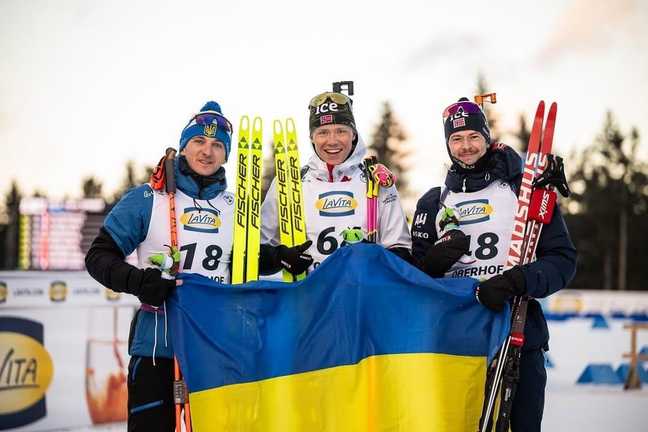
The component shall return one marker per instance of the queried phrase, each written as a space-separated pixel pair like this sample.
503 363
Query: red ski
536 200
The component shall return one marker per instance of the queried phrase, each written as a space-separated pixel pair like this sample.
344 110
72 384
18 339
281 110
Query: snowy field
591 407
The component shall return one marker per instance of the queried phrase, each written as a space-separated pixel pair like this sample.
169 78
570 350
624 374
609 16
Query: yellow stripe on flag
395 392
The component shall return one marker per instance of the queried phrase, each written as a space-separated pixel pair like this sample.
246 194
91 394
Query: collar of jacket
317 167
197 186
504 164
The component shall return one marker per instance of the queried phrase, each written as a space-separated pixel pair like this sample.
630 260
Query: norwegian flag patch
326 119
460 122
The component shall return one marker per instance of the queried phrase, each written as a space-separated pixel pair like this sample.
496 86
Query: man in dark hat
334 187
480 192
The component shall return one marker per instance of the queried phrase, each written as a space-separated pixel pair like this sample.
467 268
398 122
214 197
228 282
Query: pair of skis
290 199
247 212
536 201
247 201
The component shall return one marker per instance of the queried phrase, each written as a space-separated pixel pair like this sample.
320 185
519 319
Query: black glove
294 259
154 289
442 255
496 291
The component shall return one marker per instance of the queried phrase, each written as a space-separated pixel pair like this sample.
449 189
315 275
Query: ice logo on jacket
474 211
336 203
204 220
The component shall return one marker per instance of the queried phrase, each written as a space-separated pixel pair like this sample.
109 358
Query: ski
247 208
283 194
241 202
290 200
542 199
504 371
254 170
526 187
295 188
511 363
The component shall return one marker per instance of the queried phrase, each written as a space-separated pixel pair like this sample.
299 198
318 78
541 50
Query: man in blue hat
140 221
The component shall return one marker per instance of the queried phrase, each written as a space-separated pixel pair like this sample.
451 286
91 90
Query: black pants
150 395
528 405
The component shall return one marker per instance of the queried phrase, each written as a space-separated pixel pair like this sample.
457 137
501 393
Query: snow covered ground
595 409
591 407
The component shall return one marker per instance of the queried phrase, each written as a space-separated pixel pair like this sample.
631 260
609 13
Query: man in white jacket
335 188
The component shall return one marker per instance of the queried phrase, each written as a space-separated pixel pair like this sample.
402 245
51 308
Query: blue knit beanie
215 126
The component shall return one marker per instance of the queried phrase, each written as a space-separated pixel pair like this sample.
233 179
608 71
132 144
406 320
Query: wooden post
633 380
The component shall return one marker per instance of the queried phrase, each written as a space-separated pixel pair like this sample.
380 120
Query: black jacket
556 255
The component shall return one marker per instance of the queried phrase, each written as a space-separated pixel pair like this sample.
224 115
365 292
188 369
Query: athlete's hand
496 291
294 259
154 289
441 256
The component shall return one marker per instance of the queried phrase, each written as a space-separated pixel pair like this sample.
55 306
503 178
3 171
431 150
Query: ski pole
179 387
372 197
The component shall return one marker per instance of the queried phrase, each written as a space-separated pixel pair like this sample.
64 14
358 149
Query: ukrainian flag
364 343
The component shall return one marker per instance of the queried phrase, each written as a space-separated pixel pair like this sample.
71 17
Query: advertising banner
63 351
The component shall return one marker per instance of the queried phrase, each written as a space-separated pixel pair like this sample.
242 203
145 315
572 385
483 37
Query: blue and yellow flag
364 343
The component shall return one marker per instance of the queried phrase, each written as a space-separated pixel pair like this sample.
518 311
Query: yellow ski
241 203
290 199
283 193
254 169
295 187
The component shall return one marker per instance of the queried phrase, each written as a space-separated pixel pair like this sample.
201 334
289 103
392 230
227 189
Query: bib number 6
327 244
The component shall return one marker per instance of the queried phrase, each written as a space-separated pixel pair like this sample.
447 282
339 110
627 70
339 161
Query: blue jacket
127 226
556 255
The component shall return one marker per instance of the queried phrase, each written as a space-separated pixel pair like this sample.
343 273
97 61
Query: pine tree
91 187
609 196
389 145
523 134
11 230
132 179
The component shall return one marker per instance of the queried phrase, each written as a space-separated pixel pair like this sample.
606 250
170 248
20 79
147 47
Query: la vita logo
201 220
26 371
474 211
336 203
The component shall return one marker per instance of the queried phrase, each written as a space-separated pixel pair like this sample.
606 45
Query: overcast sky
87 85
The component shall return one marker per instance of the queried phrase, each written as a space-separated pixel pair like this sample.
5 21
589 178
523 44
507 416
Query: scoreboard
56 235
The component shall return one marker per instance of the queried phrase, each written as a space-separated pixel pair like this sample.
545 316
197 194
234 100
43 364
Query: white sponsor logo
327 107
